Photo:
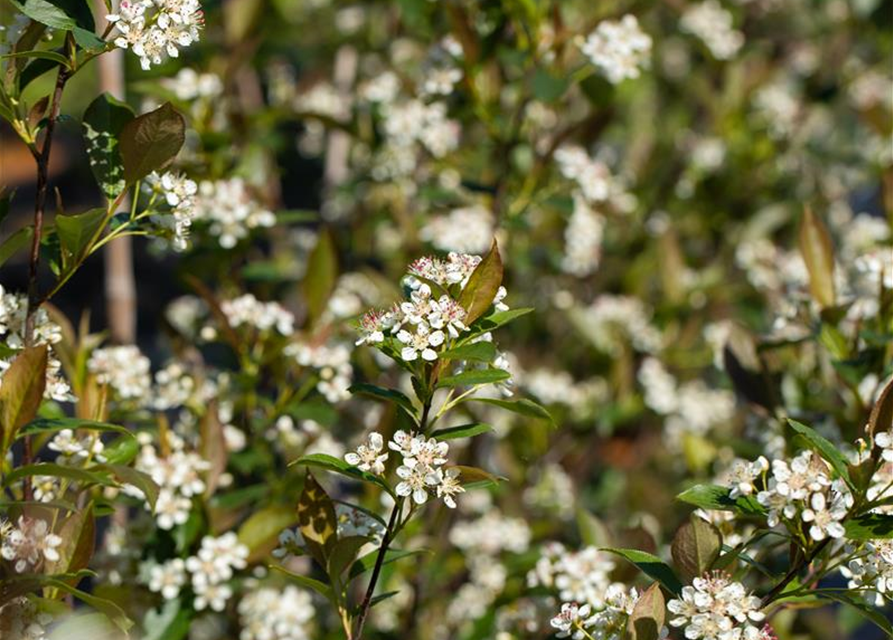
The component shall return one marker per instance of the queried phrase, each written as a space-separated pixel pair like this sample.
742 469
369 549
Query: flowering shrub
479 321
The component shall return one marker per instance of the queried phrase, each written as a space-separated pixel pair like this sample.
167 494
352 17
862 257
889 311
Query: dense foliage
519 319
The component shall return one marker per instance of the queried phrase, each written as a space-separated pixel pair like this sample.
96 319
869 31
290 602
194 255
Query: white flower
248 311
884 440
368 456
825 521
171 509
274 614
124 369
168 578
415 481
448 485
28 543
715 608
713 24
571 621
213 595
230 210
420 343
618 49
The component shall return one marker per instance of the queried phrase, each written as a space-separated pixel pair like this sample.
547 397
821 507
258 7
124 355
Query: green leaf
388 395
317 521
88 40
330 463
818 254
473 477
473 377
869 526
647 618
150 142
462 431
824 448
76 234
881 418
715 497
78 534
59 471
482 286
15 243
320 587
21 393
652 566
111 610
103 122
38 54
477 351
343 555
500 318
45 13
260 532
34 70
53 425
524 407
322 271
138 479
696 547
549 88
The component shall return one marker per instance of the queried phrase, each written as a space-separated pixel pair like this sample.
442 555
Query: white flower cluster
248 311
154 29
612 320
593 177
710 22
333 363
325 100
209 571
798 493
608 623
231 212
28 543
618 49
177 475
690 407
179 193
482 541
124 369
424 324
174 387
409 125
74 450
464 230
714 607
872 569
13 315
274 614
583 239
578 576
422 469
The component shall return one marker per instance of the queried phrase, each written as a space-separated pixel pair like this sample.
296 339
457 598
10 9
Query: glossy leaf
709 496
647 618
77 232
54 425
652 566
824 448
150 142
331 463
103 122
869 526
317 521
696 547
818 254
524 407
484 282
21 392
474 377
462 431
476 351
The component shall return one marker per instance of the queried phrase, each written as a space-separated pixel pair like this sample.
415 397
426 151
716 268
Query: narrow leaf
652 566
482 286
818 254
